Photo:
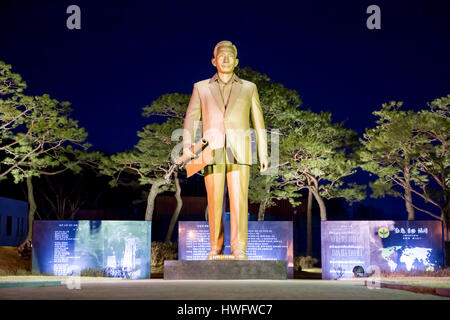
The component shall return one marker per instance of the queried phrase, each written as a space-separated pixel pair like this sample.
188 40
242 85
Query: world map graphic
414 258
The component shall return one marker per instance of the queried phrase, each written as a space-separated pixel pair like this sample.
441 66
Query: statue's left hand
264 164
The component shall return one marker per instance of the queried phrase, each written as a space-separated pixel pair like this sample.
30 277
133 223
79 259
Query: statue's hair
225 43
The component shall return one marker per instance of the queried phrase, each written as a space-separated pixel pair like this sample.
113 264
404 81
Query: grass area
11 262
444 272
426 283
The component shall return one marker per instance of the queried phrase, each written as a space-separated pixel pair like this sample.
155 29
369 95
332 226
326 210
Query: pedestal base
224 269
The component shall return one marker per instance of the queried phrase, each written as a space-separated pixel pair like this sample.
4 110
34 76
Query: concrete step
224 269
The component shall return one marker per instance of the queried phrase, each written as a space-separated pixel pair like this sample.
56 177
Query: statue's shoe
240 255
213 253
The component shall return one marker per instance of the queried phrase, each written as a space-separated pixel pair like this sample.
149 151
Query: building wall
13 221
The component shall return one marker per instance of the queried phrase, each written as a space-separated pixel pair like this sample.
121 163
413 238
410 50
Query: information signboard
117 248
377 246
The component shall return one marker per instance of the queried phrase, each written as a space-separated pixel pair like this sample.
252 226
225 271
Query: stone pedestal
224 269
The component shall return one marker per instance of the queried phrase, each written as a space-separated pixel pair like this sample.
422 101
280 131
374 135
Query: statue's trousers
237 178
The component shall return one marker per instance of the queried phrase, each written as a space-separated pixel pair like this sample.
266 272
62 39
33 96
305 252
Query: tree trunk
31 209
322 207
445 217
176 213
262 210
309 225
408 204
73 213
408 197
151 199
445 225
263 204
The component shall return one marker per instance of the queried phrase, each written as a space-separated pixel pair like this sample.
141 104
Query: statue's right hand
188 153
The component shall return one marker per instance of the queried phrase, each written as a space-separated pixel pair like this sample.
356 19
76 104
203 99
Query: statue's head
225 57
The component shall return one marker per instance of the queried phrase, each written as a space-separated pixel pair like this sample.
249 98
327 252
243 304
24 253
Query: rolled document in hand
202 156
195 149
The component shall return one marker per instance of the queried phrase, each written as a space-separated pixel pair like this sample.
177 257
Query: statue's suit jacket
230 127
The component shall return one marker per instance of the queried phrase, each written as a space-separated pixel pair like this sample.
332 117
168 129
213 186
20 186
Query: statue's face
225 60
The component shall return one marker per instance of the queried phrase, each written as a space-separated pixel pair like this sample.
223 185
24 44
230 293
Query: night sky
128 53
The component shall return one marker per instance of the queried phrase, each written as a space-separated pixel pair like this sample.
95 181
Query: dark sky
128 53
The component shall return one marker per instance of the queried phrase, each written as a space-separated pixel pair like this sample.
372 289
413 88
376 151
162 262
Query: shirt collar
235 78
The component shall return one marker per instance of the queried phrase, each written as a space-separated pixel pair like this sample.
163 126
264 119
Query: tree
323 154
65 191
172 106
435 125
277 103
390 150
36 136
152 158
405 150
409 152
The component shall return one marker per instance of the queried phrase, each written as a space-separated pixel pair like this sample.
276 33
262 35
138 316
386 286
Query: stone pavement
158 289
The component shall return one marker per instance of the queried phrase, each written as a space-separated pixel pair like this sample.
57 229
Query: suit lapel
214 89
237 86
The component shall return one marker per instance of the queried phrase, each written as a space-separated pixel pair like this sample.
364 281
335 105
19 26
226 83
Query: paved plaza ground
159 289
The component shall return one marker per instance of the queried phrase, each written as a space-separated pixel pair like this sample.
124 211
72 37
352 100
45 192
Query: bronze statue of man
225 104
